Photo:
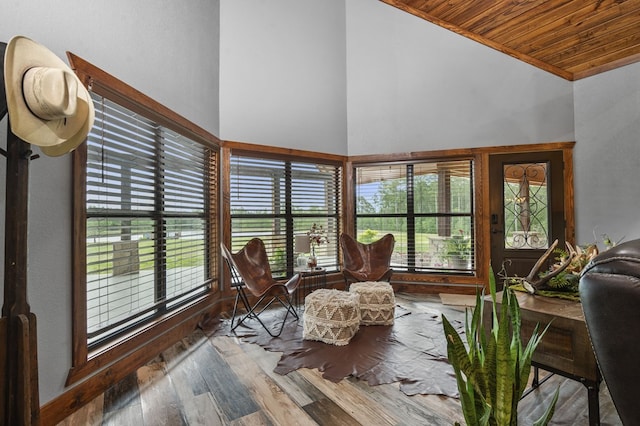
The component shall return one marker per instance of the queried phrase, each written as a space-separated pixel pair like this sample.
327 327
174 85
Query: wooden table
565 349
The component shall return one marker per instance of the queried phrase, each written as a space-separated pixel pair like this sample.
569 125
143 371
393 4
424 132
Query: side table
312 279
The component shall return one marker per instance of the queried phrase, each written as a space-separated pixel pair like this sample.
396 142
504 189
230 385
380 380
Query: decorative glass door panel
526 201
526 208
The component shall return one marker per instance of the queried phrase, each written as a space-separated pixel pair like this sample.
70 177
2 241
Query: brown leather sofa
610 295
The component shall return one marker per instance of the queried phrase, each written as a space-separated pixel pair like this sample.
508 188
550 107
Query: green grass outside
185 253
422 240
181 253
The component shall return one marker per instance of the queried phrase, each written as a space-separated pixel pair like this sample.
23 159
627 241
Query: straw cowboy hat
48 105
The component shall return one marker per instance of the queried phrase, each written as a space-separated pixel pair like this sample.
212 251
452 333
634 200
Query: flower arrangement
316 237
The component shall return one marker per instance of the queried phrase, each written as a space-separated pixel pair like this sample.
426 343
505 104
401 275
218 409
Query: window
279 199
145 208
428 206
147 221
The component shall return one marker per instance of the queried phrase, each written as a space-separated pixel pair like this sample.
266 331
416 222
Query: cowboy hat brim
22 54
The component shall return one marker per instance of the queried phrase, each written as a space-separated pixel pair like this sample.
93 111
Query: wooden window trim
83 362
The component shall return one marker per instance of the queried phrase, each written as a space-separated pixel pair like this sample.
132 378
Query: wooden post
20 403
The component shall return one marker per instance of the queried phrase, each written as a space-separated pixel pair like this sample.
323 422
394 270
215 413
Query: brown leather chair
250 270
610 295
366 262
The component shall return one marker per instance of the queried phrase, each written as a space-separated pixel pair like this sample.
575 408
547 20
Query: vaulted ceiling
570 38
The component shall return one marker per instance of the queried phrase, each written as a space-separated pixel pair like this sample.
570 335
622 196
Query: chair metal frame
261 285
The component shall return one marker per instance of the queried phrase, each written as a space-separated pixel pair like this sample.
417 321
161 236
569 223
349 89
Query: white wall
607 155
414 86
282 77
161 47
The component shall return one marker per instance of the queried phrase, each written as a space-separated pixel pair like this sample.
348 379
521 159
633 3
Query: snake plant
493 368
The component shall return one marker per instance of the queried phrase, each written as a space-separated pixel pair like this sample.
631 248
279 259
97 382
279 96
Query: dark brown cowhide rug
413 351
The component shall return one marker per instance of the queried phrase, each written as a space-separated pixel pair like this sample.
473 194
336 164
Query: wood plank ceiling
570 38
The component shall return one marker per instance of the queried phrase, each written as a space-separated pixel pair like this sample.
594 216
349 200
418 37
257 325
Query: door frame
569 217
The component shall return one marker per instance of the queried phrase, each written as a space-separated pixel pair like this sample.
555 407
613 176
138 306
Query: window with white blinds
427 206
277 200
148 219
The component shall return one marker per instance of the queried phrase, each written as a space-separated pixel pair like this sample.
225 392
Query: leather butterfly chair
610 295
366 262
250 271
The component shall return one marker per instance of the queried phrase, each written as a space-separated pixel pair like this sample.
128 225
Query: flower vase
313 260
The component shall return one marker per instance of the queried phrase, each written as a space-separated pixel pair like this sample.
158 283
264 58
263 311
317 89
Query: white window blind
147 229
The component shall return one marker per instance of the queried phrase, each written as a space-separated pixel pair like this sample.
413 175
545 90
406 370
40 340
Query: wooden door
526 209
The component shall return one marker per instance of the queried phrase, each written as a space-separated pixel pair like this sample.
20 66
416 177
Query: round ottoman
331 316
377 302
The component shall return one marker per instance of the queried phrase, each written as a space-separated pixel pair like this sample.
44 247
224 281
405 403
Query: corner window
278 200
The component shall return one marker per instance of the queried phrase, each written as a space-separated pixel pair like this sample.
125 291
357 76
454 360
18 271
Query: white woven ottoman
377 302
331 316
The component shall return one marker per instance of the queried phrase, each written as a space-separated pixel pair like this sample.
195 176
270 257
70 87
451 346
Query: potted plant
458 250
493 369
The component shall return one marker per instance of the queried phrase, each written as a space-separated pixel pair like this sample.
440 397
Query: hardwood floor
223 381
